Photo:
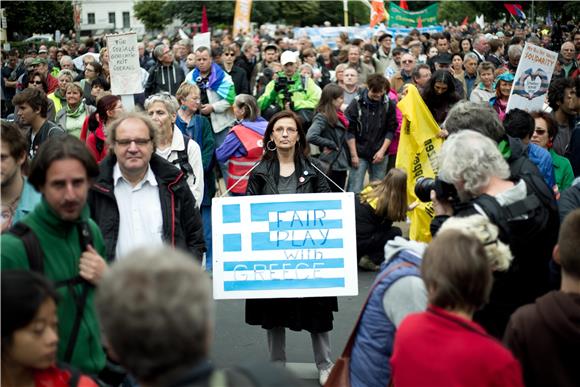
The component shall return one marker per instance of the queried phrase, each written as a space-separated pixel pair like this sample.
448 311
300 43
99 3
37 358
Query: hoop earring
269 147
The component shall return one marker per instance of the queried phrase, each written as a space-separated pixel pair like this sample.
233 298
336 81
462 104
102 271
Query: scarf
342 118
77 112
218 81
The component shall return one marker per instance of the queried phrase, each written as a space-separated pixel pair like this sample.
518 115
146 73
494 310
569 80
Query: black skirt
311 314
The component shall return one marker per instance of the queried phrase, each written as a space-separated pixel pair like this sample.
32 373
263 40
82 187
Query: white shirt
140 217
170 154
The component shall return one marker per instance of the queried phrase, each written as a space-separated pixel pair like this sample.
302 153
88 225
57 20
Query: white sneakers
324 374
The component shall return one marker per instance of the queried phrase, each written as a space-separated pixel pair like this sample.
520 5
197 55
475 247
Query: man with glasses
139 198
405 75
166 75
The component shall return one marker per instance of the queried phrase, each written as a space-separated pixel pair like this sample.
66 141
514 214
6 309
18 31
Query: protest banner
417 155
399 17
124 64
202 40
242 17
280 246
532 78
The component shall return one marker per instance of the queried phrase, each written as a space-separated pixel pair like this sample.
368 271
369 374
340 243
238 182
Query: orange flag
378 12
420 23
465 21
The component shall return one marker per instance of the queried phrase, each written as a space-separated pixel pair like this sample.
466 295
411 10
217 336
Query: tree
153 14
25 18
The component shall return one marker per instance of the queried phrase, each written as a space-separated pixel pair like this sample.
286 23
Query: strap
350 343
183 159
522 207
85 239
32 247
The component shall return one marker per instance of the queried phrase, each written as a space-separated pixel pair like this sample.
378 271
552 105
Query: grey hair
203 49
66 59
249 105
471 159
112 130
475 116
169 101
471 55
66 72
158 51
498 253
155 307
514 51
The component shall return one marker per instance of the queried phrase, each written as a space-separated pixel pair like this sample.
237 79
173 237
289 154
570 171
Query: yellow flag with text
242 17
417 155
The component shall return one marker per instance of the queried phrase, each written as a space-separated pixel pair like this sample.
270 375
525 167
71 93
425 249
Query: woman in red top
443 346
30 334
93 130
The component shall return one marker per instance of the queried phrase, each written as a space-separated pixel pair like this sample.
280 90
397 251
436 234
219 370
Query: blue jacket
373 346
543 161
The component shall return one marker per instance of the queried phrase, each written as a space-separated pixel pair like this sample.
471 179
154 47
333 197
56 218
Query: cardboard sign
532 78
280 246
202 40
124 64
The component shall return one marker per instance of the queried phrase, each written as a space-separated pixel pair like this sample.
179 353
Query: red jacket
239 166
58 377
437 348
91 139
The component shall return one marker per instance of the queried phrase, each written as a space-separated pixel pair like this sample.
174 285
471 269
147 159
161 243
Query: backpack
183 158
35 256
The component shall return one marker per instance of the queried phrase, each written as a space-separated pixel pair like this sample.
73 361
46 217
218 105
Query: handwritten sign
124 64
532 78
279 246
202 40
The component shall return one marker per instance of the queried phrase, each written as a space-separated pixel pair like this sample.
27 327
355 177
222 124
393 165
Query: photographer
526 216
290 91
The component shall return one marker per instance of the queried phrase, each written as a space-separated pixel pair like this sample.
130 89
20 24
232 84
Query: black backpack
35 257
183 159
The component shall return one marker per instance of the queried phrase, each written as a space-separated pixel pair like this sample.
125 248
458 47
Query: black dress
313 314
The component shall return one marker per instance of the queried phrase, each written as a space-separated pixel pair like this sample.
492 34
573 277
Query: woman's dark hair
550 123
97 67
456 272
105 104
302 148
326 104
433 99
470 44
42 79
23 292
494 45
60 148
102 82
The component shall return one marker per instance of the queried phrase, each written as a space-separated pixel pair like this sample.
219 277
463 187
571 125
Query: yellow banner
242 17
417 155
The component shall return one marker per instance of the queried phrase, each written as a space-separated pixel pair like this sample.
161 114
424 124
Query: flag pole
345 9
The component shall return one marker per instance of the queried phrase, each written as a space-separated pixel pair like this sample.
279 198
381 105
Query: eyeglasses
540 132
287 130
406 61
90 70
229 54
35 82
138 141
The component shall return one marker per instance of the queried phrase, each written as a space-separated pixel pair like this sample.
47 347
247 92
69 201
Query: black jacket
164 78
264 178
240 79
334 137
181 219
370 123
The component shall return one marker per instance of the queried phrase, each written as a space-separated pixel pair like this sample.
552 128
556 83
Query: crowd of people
99 200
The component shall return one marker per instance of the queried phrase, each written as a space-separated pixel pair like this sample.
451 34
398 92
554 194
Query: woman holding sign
285 169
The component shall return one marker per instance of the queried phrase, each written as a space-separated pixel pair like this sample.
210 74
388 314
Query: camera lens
423 187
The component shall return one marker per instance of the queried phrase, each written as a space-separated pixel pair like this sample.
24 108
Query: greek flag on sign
277 246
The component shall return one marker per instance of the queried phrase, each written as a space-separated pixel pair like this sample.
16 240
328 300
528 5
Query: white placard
280 246
124 64
202 40
532 78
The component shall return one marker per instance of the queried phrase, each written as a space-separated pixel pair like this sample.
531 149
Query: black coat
321 133
181 219
313 314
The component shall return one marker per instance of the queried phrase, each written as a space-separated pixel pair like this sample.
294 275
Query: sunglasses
229 54
540 132
36 82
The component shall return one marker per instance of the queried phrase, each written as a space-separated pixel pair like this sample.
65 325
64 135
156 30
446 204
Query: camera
281 84
443 190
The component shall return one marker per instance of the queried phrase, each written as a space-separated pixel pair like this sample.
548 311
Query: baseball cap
271 46
444 58
37 61
287 57
384 35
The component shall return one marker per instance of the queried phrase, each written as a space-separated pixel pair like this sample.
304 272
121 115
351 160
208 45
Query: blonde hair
497 253
185 89
390 195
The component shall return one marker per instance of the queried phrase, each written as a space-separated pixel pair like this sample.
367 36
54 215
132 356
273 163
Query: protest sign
280 246
403 18
242 17
532 78
419 148
124 64
201 40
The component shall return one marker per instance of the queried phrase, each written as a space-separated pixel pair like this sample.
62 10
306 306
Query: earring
269 147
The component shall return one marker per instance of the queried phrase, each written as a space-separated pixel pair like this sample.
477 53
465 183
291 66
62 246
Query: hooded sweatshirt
545 337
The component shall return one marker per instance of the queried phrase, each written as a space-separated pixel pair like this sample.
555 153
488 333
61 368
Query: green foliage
152 14
36 17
